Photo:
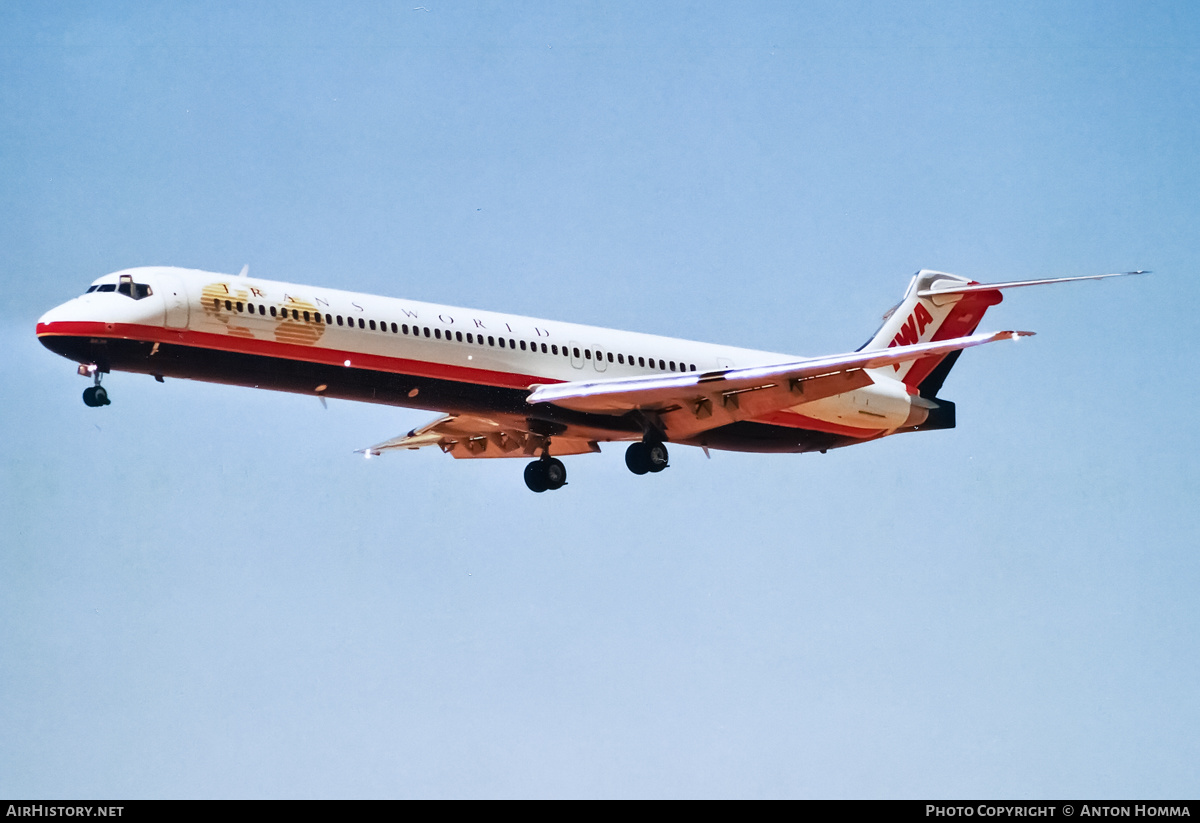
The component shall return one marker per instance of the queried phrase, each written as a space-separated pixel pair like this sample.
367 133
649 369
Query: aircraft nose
47 320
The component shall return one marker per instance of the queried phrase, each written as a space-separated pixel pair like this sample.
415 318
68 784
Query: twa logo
913 327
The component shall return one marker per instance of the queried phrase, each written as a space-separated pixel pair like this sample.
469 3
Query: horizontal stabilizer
942 287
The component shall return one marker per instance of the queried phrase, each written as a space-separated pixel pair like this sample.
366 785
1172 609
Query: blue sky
204 592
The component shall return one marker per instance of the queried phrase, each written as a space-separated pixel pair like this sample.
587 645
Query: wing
468 435
687 404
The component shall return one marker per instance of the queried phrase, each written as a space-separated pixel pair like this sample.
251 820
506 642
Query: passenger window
610 359
554 348
426 331
394 330
642 362
272 311
587 353
372 325
672 365
470 338
328 319
339 319
239 306
693 367
404 328
501 342
544 349
522 345
228 306
217 303
512 344
361 324
491 341
662 365
458 336
621 359
577 354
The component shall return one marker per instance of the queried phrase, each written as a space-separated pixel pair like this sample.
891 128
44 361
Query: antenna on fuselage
245 272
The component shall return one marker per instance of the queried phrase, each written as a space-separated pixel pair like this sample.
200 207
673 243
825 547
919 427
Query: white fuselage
300 323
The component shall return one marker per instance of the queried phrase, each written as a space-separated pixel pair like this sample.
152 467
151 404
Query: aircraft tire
637 458
555 473
95 396
656 457
535 477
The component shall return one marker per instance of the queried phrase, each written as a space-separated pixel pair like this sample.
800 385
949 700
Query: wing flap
745 393
704 412
473 436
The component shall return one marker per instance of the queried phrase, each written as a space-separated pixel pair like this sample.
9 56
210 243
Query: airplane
512 386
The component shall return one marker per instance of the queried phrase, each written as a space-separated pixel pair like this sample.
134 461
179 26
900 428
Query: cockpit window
126 287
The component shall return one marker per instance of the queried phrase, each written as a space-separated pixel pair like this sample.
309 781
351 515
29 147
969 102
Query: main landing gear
646 456
94 395
548 473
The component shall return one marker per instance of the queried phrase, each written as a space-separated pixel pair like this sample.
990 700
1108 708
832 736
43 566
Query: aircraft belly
279 374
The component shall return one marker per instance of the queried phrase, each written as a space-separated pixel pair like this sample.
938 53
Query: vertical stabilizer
929 318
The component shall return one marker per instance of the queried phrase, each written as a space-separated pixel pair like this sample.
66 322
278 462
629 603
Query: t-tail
941 306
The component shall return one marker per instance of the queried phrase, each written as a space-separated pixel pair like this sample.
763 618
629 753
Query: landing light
347 363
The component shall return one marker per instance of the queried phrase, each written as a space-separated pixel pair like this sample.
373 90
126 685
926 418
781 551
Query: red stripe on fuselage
374 362
794 420
290 351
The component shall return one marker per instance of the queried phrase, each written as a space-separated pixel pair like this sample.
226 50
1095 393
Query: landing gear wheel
656 455
555 473
95 396
536 477
545 474
646 457
637 458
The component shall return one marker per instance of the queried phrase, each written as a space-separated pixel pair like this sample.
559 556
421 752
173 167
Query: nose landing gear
94 395
548 473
